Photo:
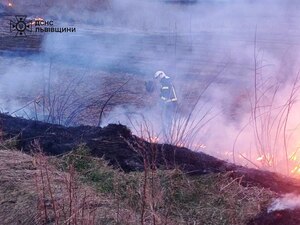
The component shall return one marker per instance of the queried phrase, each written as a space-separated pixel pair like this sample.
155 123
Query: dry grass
34 190
175 198
17 193
170 196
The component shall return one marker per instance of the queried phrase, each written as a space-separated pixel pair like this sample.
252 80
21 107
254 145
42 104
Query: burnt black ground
115 142
123 150
56 140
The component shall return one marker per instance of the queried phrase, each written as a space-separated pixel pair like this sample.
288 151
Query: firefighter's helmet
159 74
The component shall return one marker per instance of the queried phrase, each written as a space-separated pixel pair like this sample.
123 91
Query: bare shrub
271 110
61 199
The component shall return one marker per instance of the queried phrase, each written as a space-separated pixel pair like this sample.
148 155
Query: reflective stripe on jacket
167 91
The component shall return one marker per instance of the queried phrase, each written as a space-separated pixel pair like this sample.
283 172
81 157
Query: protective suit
167 90
168 100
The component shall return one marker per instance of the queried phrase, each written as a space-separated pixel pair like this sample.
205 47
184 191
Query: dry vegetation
32 191
78 189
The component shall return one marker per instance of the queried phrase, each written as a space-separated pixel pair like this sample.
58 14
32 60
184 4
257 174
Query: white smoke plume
288 201
194 44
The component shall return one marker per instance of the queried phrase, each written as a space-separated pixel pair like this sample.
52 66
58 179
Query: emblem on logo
20 26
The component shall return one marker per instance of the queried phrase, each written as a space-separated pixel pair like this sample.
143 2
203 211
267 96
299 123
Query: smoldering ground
214 44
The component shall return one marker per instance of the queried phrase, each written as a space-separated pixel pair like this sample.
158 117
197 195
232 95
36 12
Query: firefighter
168 100
167 90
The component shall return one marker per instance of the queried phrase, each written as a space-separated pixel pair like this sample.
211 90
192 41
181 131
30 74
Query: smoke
210 44
288 201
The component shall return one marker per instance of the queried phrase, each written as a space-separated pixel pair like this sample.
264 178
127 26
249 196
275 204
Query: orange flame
154 139
260 158
296 170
